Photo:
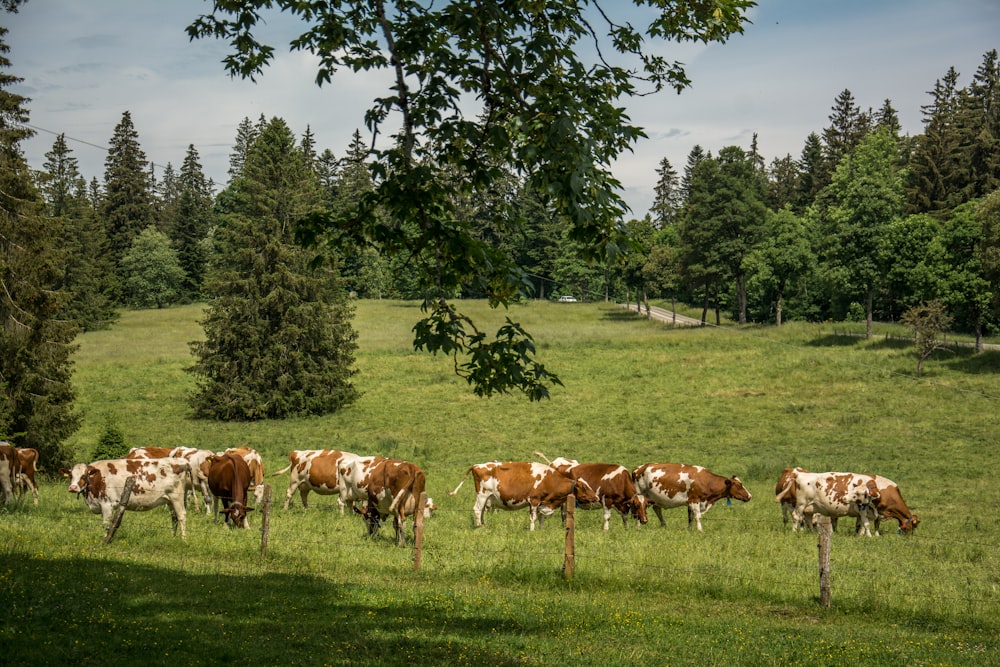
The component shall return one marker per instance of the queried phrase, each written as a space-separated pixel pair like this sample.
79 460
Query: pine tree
167 192
848 126
89 277
36 393
811 172
192 223
932 165
667 196
278 339
128 199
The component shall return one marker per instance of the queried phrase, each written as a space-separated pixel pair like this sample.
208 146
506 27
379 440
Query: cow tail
282 471
784 491
464 477
542 456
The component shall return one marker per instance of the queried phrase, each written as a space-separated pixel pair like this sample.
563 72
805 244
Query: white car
567 299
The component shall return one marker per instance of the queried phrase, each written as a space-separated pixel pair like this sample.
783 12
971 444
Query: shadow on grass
967 361
837 340
90 612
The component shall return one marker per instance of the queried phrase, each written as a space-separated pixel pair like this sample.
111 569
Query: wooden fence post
265 520
116 518
825 533
569 561
418 532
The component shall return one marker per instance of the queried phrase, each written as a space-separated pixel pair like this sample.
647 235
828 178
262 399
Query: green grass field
744 401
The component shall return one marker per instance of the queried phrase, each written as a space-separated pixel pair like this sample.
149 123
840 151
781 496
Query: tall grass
745 401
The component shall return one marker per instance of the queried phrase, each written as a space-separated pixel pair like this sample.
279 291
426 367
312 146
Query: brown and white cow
890 505
668 485
157 482
513 485
832 494
612 484
315 470
256 465
383 485
787 501
229 480
28 459
10 469
195 457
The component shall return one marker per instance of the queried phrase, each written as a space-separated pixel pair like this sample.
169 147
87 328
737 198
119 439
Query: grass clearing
744 401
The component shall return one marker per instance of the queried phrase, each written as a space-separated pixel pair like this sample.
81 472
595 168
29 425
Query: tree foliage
36 393
542 111
278 339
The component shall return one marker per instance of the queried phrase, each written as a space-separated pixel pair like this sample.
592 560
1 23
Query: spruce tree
89 276
192 223
278 338
848 126
36 393
128 199
932 165
667 196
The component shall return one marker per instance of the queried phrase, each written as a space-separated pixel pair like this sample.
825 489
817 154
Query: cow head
735 489
863 493
638 508
906 526
371 516
78 476
237 513
584 494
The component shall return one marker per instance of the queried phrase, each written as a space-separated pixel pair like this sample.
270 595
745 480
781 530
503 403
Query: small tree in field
929 321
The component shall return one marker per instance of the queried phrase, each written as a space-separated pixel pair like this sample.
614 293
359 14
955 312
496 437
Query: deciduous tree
479 89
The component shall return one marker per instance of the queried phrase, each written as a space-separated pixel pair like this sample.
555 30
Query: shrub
112 443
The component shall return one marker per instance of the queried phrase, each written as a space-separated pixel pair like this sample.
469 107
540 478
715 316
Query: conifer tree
667 196
278 338
848 126
932 165
128 198
89 276
192 223
36 393
811 172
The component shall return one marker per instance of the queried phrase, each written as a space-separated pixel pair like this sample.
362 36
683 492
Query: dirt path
664 315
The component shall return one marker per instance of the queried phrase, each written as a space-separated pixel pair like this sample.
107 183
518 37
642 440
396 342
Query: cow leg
304 497
694 513
532 516
607 518
659 515
288 496
863 518
399 522
477 510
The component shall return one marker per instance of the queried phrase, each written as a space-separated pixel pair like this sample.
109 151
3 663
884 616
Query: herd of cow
377 487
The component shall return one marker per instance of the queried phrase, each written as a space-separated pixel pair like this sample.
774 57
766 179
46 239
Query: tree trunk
869 297
741 299
777 309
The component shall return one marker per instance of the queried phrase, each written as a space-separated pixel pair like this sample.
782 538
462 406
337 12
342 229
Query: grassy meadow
745 401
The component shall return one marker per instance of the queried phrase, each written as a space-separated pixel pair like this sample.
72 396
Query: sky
84 63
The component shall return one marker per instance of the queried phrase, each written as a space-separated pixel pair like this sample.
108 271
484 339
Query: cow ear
64 472
249 509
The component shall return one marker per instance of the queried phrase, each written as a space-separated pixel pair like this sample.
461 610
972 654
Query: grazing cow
229 480
157 482
832 494
28 458
516 484
890 505
612 483
10 468
195 457
315 470
256 465
387 486
668 485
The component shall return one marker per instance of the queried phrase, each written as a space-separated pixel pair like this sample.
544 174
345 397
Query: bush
112 444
